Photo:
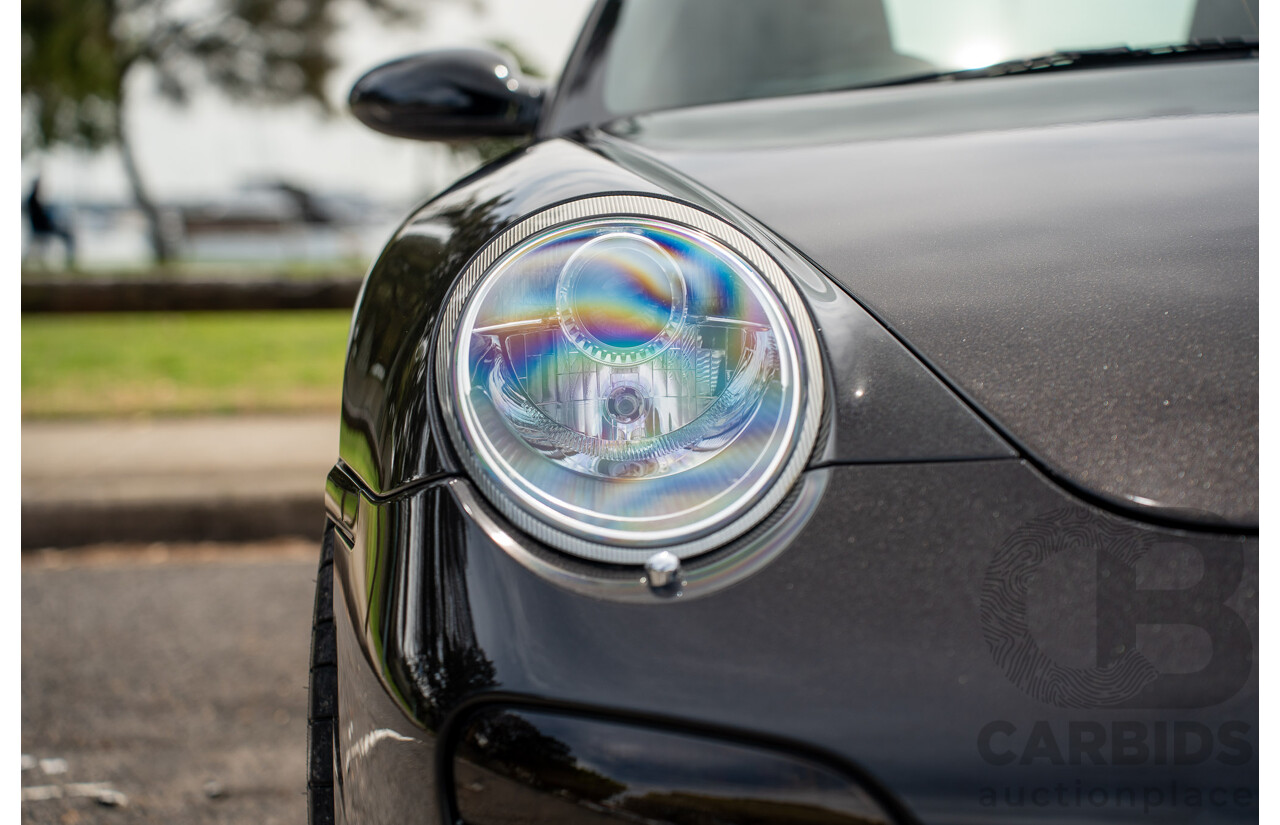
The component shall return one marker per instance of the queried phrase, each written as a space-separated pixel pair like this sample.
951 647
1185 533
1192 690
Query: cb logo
1126 679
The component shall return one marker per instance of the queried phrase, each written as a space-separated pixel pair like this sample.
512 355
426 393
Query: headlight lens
622 383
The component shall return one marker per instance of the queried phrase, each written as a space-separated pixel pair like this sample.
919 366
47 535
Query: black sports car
834 411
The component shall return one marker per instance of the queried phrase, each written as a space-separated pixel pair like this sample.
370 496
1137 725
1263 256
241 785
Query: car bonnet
1076 253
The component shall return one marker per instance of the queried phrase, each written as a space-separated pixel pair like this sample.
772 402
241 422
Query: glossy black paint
885 405
1076 253
386 437
1015 244
514 763
864 642
452 94
577 100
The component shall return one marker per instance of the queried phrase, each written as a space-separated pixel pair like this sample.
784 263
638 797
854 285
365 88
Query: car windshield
670 53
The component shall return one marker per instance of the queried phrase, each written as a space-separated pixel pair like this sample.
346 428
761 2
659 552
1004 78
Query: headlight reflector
645 378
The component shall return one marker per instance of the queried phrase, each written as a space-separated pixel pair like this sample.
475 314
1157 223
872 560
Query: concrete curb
71 524
214 478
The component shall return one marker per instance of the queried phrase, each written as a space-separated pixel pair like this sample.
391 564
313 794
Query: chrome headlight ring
623 374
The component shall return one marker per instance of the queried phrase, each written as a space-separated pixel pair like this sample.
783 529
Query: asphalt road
166 684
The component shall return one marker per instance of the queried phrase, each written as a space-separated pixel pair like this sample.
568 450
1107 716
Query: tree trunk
160 247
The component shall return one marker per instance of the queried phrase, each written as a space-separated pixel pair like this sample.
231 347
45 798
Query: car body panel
1077 253
384 438
991 560
869 639
885 405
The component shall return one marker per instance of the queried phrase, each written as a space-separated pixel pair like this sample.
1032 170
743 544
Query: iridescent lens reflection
627 375
621 298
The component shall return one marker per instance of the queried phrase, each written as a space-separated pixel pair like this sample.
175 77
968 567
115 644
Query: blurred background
198 210
209 141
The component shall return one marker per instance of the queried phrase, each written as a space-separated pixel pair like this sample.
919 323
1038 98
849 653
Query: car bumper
948 636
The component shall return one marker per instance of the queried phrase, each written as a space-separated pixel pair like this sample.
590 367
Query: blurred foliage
77 56
199 362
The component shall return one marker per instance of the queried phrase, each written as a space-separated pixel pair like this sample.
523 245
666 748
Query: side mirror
451 95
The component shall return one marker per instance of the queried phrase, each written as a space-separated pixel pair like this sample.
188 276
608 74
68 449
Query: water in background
263 227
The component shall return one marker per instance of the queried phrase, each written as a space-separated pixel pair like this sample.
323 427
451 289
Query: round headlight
626 373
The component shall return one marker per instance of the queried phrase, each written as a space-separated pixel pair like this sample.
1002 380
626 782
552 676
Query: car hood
1077 253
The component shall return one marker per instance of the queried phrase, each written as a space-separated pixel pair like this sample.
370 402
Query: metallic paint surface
864 641
385 439
886 406
385 762
633 583
1027 238
450 94
1078 253
510 763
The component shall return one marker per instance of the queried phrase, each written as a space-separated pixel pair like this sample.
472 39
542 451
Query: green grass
209 270
173 363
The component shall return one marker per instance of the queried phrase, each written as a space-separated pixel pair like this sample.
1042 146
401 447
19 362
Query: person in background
45 225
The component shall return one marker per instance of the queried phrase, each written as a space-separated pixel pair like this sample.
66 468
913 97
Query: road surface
166 684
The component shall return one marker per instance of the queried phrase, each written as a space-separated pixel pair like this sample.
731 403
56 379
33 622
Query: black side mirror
452 95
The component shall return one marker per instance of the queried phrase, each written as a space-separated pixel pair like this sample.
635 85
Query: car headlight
623 374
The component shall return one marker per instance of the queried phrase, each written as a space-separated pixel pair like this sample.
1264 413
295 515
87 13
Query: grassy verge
211 270
169 363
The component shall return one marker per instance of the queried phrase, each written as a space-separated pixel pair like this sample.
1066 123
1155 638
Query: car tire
322 713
